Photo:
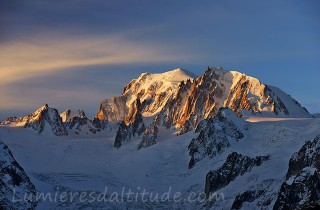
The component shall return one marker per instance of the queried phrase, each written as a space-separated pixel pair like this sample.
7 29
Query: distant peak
220 71
215 67
69 114
144 74
183 71
44 107
175 72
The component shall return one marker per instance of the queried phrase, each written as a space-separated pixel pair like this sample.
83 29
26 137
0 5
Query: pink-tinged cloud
25 59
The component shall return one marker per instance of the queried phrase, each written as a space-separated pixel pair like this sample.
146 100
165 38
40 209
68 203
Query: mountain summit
178 96
154 88
45 118
171 130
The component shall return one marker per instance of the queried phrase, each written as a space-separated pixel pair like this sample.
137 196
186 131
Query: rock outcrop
132 126
213 136
113 109
68 115
301 190
316 115
14 183
99 124
184 101
259 196
235 165
44 118
150 135
79 123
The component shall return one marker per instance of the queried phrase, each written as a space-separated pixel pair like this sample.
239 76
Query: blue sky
73 54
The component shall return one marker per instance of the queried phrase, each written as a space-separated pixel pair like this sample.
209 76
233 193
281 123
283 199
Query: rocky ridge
301 190
235 165
189 100
213 136
14 183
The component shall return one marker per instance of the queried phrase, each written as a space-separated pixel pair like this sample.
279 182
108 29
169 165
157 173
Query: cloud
44 69
24 59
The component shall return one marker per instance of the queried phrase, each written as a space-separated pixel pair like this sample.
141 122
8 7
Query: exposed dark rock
124 134
237 99
78 123
186 127
248 196
260 196
45 116
187 104
202 124
275 101
14 183
133 126
316 115
307 156
230 122
301 190
149 137
209 143
235 165
9 120
99 124
213 136
113 109
69 114
300 193
135 119
39 120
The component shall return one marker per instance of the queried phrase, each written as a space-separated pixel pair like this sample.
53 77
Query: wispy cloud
24 59
25 63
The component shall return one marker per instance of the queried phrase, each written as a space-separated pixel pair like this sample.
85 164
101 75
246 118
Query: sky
74 54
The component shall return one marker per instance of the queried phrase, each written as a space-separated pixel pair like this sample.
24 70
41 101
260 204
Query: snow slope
90 163
170 105
183 101
316 115
290 104
14 182
159 87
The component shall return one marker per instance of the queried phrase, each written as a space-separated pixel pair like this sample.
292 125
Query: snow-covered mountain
78 123
215 135
45 118
301 190
262 165
176 98
68 115
14 183
224 140
154 90
181 98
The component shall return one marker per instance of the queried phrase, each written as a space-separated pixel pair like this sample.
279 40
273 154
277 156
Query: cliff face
213 136
48 119
301 190
235 165
154 90
132 126
184 101
44 118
